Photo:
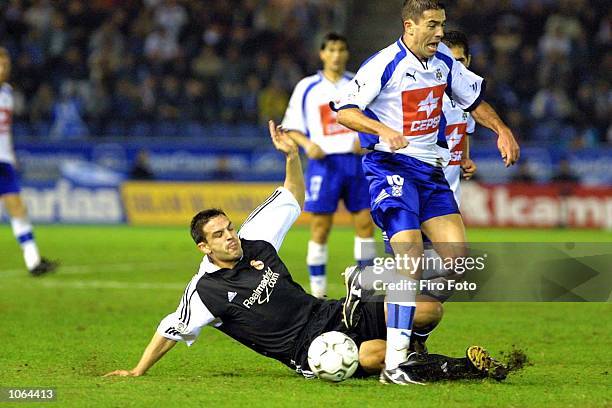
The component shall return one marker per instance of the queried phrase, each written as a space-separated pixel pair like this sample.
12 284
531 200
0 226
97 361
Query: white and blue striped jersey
309 113
402 91
459 124
7 155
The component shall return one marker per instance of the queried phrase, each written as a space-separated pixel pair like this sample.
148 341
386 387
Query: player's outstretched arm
313 150
156 349
485 115
294 178
354 119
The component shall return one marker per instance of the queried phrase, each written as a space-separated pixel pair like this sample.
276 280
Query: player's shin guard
316 259
22 230
399 330
364 251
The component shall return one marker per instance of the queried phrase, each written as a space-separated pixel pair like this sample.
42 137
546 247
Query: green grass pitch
97 313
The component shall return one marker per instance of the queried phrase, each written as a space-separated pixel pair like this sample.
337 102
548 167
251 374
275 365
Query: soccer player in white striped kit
9 183
334 167
395 103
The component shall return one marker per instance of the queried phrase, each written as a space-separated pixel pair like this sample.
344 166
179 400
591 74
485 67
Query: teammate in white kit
459 123
395 103
334 169
459 126
9 183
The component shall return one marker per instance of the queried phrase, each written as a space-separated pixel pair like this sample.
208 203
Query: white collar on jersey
206 266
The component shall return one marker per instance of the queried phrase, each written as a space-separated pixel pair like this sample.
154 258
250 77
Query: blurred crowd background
169 68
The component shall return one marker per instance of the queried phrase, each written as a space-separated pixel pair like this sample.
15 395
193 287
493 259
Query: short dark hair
456 39
329 37
200 220
414 9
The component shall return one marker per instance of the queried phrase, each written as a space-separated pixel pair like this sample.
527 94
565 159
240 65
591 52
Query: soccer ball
333 356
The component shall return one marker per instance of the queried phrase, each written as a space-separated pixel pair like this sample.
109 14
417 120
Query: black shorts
371 325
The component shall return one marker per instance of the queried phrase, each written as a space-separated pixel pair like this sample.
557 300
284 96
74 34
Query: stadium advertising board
156 203
537 206
196 161
65 202
170 203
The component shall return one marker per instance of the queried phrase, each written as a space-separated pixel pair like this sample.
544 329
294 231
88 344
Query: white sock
22 230
364 249
318 286
398 342
316 259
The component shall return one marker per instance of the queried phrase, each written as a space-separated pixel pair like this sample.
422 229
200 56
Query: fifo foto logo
422 109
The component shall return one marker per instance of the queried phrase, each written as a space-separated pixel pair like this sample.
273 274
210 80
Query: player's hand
468 167
281 140
394 139
314 152
123 373
508 147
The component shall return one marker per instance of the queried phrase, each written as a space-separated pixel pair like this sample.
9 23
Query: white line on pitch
85 269
96 284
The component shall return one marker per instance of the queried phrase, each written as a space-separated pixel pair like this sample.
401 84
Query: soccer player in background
334 168
9 183
395 103
244 289
459 123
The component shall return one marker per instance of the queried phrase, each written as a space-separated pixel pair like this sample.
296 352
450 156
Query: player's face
334 56
459 55
5 67
222 242
426 33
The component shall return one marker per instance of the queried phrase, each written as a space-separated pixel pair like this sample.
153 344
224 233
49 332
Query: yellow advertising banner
160 203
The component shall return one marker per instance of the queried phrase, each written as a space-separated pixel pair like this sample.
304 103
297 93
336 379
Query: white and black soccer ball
333 356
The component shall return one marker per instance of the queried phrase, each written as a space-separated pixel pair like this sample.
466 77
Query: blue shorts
337 176
9 182
405 192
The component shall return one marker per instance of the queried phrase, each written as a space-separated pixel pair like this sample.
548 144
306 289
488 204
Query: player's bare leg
23 232
365 244
447 233
316 258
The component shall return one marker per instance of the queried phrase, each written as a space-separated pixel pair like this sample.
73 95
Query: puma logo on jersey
413 76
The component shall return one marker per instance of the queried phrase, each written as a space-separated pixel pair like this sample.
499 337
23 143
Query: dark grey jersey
257 302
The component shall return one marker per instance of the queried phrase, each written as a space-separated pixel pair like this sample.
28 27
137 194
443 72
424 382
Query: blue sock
399 330
316 270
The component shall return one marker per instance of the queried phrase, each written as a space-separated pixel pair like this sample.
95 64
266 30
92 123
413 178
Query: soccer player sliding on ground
244 289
